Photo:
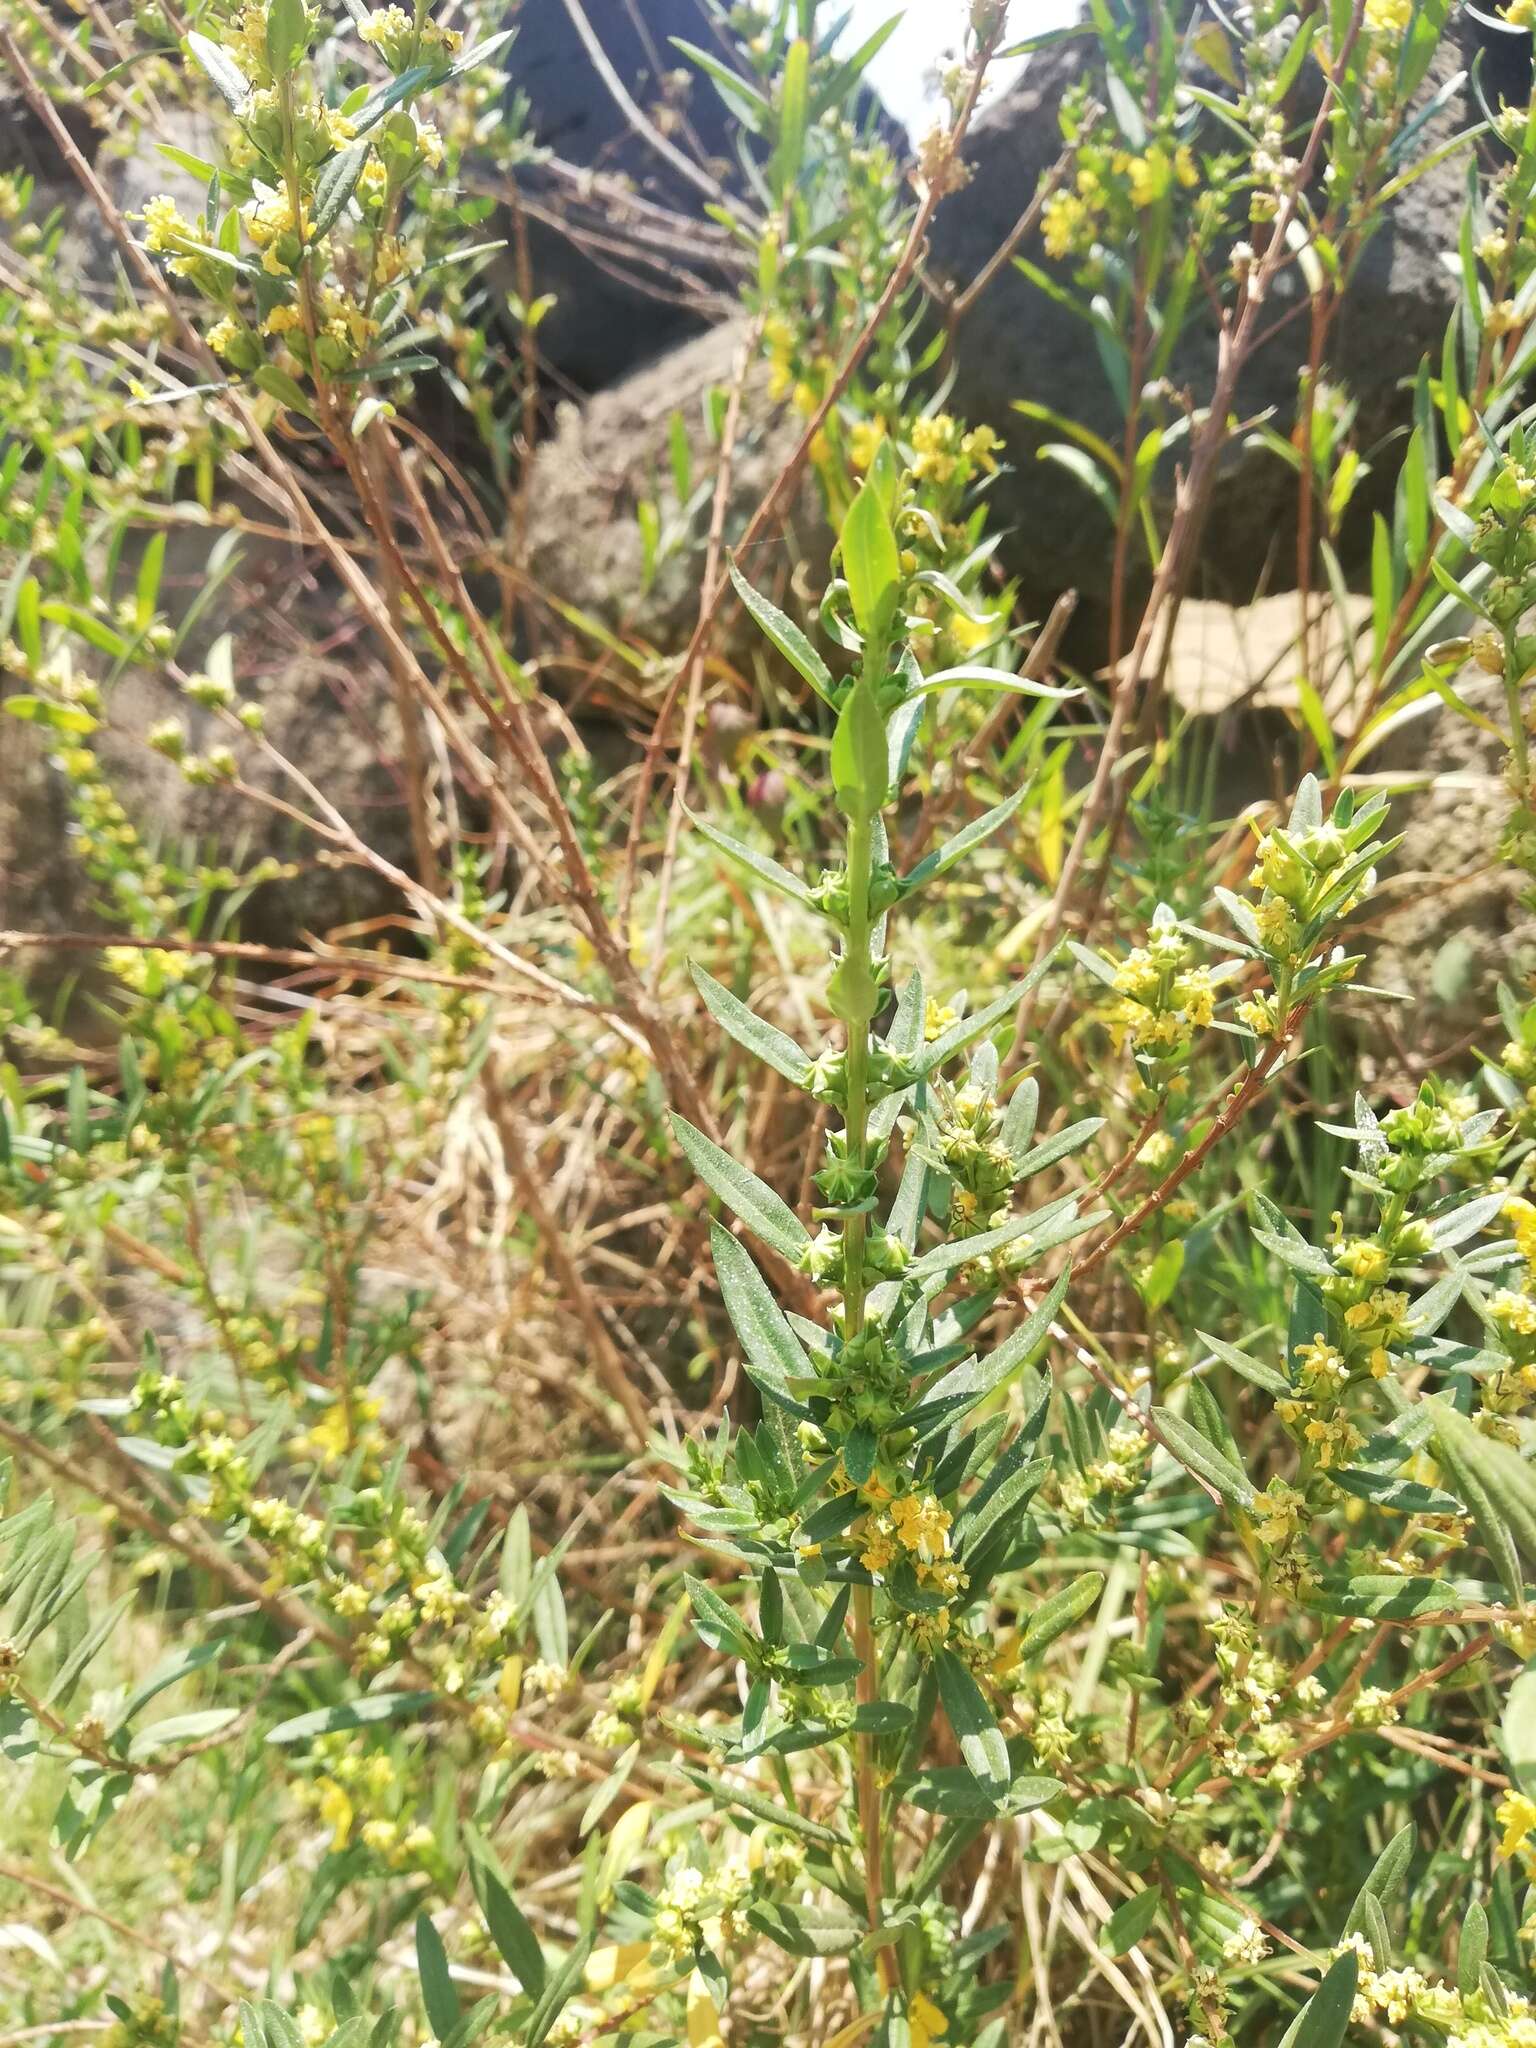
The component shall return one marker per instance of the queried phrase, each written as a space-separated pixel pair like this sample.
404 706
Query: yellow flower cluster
1112 186
401 41
944 453
1163 1000
345 1427
1403 1995
278 233
1279 1513
359 1796
915 1525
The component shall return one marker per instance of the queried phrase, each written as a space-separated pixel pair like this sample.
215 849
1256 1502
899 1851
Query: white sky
931 30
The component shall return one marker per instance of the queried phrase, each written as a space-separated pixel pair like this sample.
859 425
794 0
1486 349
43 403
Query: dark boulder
1019 343
616 215
616 230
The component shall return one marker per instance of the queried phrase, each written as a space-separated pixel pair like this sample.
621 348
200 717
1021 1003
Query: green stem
860 860
860 856
1517 740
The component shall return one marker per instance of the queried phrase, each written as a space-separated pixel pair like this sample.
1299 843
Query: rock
1018 342
625 249
585 541
1450 922
328 709
618 224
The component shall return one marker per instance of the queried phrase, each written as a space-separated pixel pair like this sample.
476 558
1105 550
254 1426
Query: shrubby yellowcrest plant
1110 1606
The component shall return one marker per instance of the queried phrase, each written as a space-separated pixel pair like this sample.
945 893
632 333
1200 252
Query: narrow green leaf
794 115
761 865
515 1940
1473 1950
1499 1488
860 757
774 1047
742 99
382 1706
1198 1454
437 1992
981 1742
1324 2020
221 68
991 679
1053 1617
944 857
871 562
1264 1376
337 181
774 1354
742 1192
786 637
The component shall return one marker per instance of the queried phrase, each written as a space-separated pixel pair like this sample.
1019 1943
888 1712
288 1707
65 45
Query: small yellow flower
335 1809
925 2020
864 439
1066 226
1516 1815
922 1525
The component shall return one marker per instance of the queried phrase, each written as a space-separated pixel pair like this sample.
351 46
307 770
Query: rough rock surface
1451 922
328 710
585 539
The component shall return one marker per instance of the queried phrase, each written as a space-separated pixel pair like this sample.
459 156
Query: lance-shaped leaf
905 1036
726 1795
515 1940
774 1354
1385 1880
960 1251
221 68
1465 1221
1002 1504
719 1626
871 561
794 115
1264 1376
761 865
745 102
991 679
974 1379
980 1739
1195 1451
1473 1951
773 1047
437 1992
943 858
742 1192
786 637
1323 2021
378 1706
860 756
1053 1617
336 182
1497 1485
1058 1146
1402 1496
